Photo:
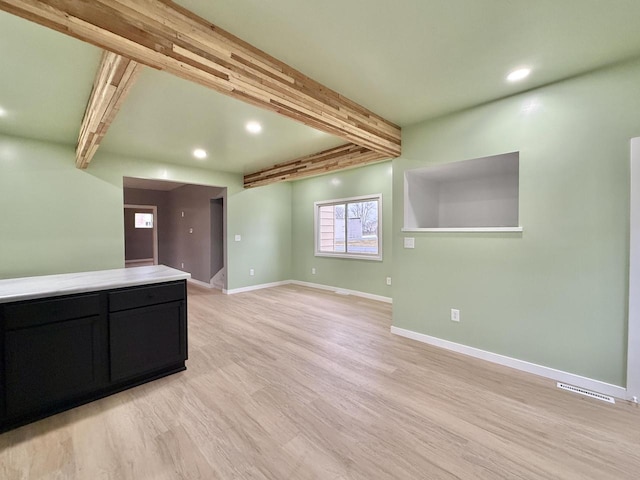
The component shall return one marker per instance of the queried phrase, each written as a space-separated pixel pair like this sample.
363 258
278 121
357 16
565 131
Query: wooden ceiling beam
338 158
115 77
163 35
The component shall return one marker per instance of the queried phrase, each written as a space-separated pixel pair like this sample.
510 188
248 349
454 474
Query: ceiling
45 81
406 61
410 60
197 117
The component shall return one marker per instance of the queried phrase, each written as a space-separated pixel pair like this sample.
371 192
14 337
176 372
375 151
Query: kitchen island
70 339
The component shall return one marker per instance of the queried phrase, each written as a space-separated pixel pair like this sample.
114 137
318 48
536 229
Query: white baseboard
558 375
255 287
344 291
199 283
319 286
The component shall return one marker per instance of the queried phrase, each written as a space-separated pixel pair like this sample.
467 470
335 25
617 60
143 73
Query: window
144 220
349 227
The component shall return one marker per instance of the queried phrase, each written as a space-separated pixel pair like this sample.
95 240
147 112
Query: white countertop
27 288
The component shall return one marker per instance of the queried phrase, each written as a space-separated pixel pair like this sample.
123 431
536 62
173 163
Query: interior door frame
633 348
155 226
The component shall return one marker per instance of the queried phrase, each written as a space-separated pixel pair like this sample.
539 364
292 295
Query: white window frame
633 334
338 201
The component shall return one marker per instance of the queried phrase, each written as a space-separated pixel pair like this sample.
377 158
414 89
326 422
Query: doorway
140 235
189 228
218 272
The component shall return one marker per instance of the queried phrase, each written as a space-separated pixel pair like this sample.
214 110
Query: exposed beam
338 158
163 35
115 77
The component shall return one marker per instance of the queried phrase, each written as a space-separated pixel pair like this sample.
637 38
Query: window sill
465 229
375 258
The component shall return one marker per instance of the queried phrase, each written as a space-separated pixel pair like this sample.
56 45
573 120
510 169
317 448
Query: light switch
238 238
409 242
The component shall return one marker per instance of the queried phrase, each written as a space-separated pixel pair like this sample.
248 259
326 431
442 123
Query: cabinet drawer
41 312
144 296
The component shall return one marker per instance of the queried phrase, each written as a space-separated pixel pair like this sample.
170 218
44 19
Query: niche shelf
478 195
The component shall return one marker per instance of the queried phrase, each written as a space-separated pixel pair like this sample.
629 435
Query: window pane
339 228
144 220
331 228
362 227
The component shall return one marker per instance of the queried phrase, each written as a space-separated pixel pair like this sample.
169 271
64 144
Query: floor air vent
586 393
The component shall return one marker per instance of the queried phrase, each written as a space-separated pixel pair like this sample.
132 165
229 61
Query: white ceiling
165 118
410 60
407 60
45 80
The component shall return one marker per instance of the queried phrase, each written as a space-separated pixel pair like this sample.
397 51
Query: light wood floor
295 383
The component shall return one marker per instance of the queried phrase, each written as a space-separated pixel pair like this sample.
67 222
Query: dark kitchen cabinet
58 353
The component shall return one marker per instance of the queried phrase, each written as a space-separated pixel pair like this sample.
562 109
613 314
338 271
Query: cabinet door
48 363
148 339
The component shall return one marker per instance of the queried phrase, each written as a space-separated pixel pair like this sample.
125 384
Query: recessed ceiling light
200 153
253 127
519 74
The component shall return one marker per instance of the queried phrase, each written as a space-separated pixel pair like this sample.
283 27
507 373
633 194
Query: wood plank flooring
296 383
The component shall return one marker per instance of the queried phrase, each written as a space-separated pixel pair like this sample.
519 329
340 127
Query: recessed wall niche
481 194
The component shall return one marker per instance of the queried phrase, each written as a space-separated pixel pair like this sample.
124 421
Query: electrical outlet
313 271
252 272
388 280
455 315
191 230
409 242
182 214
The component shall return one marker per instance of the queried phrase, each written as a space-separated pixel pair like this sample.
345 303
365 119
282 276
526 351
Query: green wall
362 275
556 294
55 218
263 220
